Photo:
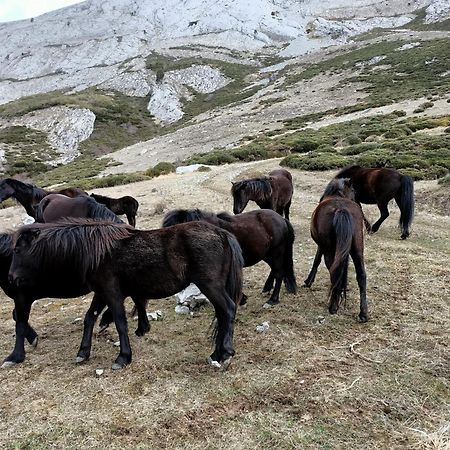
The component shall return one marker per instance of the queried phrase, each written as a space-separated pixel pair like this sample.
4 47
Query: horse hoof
35 342
213 363
362 319
7 364
80 359
244 306
117 366
226 364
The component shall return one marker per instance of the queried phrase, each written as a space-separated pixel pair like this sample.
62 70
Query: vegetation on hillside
387 140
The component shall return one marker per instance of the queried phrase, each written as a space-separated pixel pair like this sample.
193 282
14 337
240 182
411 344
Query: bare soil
312 381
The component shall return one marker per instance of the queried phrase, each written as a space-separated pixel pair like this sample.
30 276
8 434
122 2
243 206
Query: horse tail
233 285
344 229
405 202
40 208
99 211
288 261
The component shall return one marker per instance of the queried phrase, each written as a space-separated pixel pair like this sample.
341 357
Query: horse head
6 190
23 264
340 187
240 196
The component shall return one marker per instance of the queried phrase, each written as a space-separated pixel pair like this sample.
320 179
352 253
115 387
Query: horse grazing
272 192
117 261
29 195
124 205
263 236
337 228
379 186
54 207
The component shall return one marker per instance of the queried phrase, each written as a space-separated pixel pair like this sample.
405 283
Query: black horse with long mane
263 236
379 186
29 195
124 205
117 261
337 227
54 207
71 287
272 192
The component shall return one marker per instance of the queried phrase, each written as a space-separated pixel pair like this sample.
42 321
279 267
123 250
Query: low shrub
162 168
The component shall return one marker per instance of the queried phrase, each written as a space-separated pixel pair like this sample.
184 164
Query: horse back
322 229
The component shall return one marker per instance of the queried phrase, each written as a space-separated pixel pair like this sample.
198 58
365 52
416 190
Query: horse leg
225 312
30 334
22 309
90 318
286 209
333 305
312 274
115 302
279 210
143 323
268 285
358 261
384 215
275 297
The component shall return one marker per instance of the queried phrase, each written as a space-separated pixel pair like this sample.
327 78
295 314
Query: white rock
263 327
99 372
189 169
182 309
27 220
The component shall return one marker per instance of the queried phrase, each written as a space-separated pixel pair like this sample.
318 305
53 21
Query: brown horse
379 186
263 236
124 205
338 230
54 207
272 192
117 261
29 195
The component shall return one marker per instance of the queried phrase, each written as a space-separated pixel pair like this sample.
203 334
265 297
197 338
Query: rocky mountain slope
101 75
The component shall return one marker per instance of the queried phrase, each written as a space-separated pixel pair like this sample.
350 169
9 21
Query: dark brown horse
124 205
379 186
117 261
54 207
29 195
337 227
263 236
272 192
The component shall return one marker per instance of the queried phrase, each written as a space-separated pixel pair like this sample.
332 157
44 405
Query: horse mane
100 197
177 216
6 244
83 242
100 211
335 188
36 192
260 187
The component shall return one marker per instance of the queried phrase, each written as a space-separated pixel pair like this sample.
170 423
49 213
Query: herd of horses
78 245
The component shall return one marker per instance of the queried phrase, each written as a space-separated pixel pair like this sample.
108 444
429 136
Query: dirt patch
297 386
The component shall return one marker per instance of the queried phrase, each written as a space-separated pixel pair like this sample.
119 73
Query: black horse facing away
124 205
29 195
55 207
117 261
263 236
272 192
337 227
379 186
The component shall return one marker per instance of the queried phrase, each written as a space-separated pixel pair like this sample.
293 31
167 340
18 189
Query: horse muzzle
15 280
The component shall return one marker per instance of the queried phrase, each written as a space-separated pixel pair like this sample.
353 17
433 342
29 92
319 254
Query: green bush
353 139
359 148
445 181
317 161
162 168
111 180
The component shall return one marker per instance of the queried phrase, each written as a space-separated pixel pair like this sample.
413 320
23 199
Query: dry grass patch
312 381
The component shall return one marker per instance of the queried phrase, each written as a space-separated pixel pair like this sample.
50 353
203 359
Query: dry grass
297 386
